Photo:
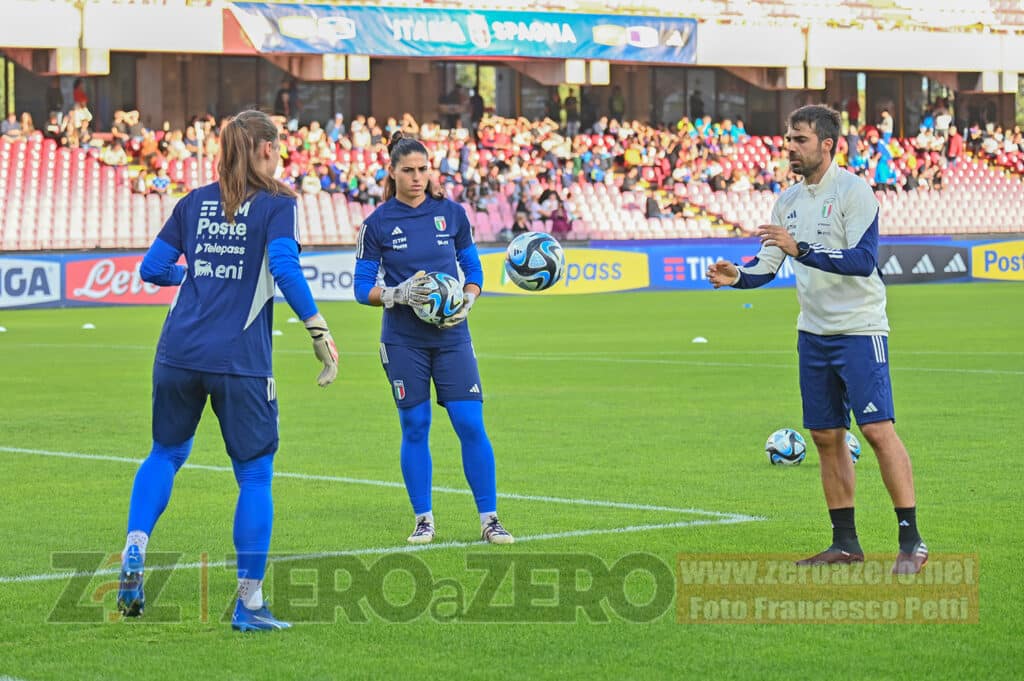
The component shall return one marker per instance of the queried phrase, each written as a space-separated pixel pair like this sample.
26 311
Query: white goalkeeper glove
467 302
412 291
324 348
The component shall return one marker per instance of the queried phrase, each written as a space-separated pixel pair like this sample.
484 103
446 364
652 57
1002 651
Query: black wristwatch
802 249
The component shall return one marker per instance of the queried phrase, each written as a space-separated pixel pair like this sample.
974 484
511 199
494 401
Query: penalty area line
397 485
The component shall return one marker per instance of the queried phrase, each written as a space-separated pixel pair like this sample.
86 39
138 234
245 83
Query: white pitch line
528 355
724 365
718 518
386 550
611 358
397 485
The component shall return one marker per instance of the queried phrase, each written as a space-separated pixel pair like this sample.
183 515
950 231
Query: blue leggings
254 514
477 454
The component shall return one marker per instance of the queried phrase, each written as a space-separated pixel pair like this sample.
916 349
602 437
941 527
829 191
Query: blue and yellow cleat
131 600
245 619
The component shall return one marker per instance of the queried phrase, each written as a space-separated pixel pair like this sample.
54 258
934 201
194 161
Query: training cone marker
700 339
88 326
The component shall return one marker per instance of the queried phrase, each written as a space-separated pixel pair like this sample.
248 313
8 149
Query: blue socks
477 454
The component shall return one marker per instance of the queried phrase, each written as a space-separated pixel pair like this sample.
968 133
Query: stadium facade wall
82 279
203 59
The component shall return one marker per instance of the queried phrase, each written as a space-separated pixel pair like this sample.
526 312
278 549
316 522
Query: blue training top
222 317
434 237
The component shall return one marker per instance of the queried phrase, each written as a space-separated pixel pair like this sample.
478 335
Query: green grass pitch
592 398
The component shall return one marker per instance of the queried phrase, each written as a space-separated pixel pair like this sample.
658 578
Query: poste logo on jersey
211 235
1004 261
587 270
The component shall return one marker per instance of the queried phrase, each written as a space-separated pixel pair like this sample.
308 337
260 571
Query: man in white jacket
828 224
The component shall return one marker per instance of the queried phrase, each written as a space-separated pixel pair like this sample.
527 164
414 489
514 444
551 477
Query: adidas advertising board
922 263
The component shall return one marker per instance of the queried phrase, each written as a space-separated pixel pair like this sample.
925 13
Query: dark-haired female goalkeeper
415 231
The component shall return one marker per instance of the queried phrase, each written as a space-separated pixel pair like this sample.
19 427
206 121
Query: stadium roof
1000 15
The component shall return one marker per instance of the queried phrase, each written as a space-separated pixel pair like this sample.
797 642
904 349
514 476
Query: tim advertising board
1003 261
29 281
684 266
112 280
587 270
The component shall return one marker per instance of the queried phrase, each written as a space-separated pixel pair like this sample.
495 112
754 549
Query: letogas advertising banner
112 280
416 32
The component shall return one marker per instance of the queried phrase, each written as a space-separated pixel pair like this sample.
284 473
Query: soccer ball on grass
785 447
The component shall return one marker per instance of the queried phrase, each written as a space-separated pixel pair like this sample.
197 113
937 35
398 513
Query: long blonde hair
238 175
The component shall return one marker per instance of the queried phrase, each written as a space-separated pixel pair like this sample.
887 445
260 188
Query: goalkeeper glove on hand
467 302
412 291
324 348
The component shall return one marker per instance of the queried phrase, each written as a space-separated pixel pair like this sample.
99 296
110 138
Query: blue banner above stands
412 32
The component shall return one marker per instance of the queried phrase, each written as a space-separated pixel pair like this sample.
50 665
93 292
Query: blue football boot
131 600
260 619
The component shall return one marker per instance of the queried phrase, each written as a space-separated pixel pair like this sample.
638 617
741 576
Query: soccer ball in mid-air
854 444
443 301
785 447
534 261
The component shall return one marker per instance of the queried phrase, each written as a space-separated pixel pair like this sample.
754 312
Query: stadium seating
53 198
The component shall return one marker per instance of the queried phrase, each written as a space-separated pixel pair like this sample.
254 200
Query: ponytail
398 148
238 175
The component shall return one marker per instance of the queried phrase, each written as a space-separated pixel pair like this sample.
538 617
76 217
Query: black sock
844 531
909 535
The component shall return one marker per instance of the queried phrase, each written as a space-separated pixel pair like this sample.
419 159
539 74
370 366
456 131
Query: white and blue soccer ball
534 261
854 445
444 300
785 447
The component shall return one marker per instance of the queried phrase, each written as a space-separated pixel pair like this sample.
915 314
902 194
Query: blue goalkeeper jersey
434 237
222 317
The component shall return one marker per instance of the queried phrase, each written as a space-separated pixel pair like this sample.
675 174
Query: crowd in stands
536 166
